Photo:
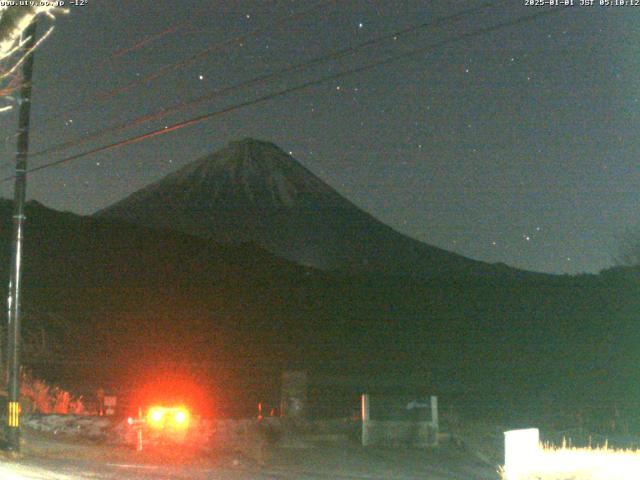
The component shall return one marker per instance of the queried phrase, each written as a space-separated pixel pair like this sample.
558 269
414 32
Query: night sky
518 146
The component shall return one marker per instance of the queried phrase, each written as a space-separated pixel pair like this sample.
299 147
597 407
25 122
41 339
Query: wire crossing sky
207 116
514 146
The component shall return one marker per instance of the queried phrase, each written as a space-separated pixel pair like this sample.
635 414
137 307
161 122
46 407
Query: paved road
47 469
69 471
318 463
57 470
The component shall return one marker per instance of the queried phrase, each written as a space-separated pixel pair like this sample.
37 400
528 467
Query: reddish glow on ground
172 391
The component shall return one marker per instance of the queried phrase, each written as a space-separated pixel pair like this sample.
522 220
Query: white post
521 452
434 419
139 445
364 408
434 411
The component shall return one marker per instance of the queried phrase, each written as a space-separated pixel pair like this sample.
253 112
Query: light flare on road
15 471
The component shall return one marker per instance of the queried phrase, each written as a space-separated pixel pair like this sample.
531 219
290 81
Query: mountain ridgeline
252 191
132 294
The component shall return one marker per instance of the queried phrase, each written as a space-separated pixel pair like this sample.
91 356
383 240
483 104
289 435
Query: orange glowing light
180 417
155 417
168 417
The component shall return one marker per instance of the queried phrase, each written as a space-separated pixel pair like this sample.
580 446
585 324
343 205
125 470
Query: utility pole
13 319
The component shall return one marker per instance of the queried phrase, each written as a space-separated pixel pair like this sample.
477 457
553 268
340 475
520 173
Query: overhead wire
216 47
334 55
72 75
387 61
144 42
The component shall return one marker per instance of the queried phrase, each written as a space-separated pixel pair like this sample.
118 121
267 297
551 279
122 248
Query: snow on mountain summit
261 170
252 191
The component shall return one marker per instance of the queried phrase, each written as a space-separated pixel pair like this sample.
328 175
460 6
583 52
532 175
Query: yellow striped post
14 414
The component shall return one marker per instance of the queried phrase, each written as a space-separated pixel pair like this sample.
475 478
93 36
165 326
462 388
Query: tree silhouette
13 22
628 254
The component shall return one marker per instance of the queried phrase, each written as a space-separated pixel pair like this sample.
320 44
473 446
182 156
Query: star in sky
524 97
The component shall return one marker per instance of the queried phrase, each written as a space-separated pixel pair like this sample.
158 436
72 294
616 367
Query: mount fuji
251 191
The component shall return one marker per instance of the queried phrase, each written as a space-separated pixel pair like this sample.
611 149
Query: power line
258 80
280 93
161 72
144 42
116 55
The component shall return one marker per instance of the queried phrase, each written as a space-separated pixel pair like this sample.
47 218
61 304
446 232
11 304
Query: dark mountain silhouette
124 303
252 191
